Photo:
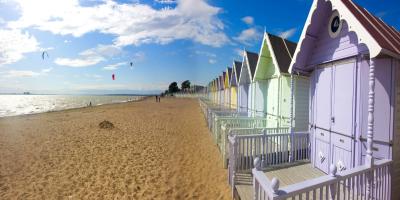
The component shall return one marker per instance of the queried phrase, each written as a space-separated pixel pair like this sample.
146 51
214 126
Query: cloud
239 52
166 1
94 76
248 36
114 66
205 53
249 20
14 44
288 33
212 61
139 56
131 24
90 57
47 70
25 73
67 41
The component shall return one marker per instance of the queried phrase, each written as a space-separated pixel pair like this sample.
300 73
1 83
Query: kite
131 65
45 53
113 77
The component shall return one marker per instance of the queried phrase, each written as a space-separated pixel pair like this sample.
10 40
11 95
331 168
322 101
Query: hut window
335 25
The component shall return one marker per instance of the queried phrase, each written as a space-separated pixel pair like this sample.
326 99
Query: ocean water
11 105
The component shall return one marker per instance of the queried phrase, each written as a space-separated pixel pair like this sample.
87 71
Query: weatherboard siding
301 103
272 102
233 97
260 100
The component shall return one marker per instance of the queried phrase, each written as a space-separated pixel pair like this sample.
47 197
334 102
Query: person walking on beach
156 98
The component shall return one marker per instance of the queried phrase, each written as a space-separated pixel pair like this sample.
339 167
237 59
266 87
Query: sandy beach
155 151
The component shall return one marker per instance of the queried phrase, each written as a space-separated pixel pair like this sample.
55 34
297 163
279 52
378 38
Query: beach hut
353 61
233 83
228 75
271 85
245 84
221 90
218 90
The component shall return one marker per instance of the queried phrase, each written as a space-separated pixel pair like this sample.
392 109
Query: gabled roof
221 83
237 66
229 75
380 38
283 51
223 79
252 59
386 36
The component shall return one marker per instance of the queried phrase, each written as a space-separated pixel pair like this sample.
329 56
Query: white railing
231 129
237 121
272 149
361 182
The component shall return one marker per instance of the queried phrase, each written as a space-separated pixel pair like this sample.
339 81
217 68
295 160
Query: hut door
323 81
334 115
343 111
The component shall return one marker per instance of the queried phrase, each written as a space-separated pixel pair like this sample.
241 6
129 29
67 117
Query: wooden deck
287 175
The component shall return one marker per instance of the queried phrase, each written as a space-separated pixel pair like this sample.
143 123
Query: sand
155 151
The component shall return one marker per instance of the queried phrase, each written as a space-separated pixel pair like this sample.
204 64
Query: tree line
173 87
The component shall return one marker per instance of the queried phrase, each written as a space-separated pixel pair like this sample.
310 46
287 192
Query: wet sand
155 151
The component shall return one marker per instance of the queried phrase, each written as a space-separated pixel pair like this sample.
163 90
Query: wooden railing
362 182
244 129
272 149
238 121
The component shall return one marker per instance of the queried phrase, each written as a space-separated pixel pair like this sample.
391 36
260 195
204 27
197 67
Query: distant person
90 104
159 98
156 98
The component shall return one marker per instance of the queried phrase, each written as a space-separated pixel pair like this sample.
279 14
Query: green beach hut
271 86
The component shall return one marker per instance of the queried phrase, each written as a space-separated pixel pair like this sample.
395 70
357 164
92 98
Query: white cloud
67 41
249 35
205 53
139 56
249 20
90 57
131 24
47 70
166 1
212 61
95 76
287 34
25 73
239 52
14 43
114 66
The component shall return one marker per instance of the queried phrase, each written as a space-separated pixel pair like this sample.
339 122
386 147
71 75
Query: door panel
343 97
342 158
321 156
323 98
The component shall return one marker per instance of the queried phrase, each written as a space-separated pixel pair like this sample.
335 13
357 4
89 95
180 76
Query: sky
166 40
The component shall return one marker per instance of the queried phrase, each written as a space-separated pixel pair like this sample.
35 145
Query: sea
12 105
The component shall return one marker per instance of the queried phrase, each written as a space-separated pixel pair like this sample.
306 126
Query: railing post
291 158
233 161
332 187
263 154
275 185
369 160
256 186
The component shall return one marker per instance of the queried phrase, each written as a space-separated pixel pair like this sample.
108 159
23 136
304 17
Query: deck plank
287 175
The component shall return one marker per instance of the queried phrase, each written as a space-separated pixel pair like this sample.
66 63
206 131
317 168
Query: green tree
185 85
173 87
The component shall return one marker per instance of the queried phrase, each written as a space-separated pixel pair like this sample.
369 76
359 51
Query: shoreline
82 107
